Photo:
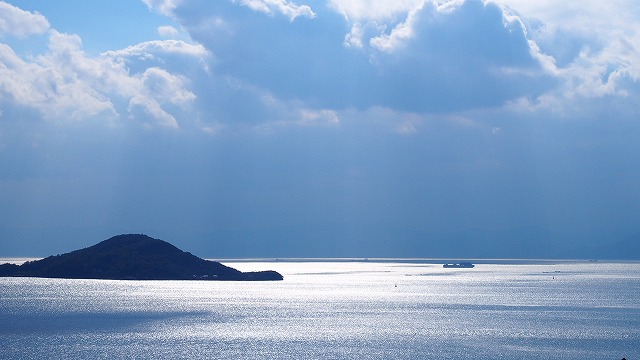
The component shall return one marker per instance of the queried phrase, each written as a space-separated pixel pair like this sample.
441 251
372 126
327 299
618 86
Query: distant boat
465 265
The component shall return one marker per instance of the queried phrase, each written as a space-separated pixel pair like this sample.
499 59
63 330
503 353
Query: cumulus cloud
19 23
400 33
59 84
592 47
289 9
408 56
66 84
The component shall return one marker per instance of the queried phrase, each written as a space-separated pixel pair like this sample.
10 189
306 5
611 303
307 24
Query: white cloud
149 48
142 107
399 34
165 7
289 9
357 10
586 14
165 87
157 88
56 83
370 19
592 46
66 84
355 36
19 23
167 31
596 73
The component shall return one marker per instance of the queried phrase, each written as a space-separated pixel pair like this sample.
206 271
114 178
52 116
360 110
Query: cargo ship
465 265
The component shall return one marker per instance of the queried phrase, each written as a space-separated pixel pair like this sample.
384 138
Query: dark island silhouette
132 257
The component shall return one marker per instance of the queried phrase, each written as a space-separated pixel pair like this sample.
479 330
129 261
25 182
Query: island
132 257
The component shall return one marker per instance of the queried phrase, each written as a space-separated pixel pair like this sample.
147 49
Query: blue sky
353 128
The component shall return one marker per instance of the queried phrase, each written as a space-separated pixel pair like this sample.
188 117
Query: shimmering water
334 310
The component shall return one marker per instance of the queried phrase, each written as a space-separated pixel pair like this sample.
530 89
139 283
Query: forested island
132 257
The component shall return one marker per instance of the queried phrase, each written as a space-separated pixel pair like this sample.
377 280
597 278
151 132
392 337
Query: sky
336 128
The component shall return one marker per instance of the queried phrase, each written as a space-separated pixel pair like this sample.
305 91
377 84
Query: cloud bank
414 56
260 57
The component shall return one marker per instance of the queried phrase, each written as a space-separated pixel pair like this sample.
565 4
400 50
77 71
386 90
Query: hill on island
134 257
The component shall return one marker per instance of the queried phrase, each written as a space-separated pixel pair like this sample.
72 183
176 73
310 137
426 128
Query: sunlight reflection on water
334 310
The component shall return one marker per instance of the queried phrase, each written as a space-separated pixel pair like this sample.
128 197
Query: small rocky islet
132 257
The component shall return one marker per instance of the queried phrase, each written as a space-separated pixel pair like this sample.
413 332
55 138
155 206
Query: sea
335 309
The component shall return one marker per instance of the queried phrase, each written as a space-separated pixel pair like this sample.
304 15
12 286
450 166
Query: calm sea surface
334 310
